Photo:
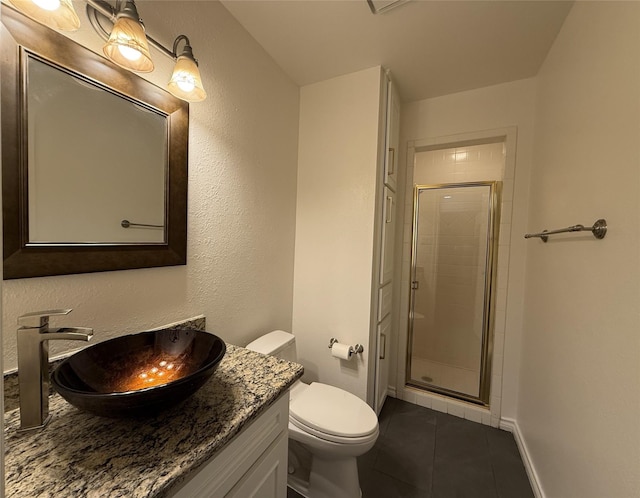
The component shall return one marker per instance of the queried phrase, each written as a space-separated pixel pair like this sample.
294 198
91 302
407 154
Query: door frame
492 413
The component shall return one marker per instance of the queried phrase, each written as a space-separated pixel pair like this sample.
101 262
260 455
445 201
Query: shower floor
453 378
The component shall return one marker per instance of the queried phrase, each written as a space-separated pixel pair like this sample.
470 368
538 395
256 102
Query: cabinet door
392 137
388 230
243 459
382 363
268 476
385 296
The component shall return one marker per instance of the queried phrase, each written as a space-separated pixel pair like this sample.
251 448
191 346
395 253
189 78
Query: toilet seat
333 414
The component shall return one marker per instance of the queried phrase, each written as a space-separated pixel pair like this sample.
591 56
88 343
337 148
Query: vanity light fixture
186 83
57 14
123 45
127 45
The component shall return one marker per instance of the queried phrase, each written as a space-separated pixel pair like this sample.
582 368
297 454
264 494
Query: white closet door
388 230
382 370
392 137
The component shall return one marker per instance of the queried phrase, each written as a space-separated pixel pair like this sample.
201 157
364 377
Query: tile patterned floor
421 453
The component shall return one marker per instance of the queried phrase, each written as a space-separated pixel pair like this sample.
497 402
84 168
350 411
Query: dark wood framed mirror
43 172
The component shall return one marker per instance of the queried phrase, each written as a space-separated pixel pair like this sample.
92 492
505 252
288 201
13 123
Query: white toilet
328 429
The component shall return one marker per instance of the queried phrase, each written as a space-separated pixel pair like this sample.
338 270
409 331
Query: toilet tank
278 343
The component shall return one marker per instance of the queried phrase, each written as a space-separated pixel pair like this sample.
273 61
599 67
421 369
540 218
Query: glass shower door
452 271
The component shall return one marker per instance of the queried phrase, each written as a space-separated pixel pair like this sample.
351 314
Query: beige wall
457 116
338 155
579 401
242 188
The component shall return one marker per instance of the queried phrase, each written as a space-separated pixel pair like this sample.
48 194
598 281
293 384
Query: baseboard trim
511 425
391 391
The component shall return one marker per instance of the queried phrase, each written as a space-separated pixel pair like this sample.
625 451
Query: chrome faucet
33 363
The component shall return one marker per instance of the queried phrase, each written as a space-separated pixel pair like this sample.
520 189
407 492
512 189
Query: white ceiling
431 47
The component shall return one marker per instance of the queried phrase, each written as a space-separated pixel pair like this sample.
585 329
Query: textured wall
579 403
242 195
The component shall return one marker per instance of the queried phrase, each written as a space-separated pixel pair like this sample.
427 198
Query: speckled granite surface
79 454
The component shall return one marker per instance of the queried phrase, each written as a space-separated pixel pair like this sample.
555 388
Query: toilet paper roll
341 351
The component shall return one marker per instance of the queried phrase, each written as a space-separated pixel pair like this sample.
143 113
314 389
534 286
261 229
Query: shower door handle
415 285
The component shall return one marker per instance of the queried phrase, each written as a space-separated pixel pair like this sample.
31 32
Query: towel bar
599 230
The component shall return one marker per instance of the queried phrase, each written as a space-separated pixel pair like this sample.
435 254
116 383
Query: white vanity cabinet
253 464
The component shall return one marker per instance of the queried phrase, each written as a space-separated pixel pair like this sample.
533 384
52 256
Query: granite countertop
79 454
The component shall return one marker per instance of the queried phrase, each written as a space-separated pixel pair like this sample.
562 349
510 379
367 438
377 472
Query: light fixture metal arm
188 51
95 7
177 40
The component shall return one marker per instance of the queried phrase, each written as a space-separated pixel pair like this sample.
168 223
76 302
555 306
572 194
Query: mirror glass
84 181
94 160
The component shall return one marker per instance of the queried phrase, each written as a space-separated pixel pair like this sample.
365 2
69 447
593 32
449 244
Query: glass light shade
56 14
127 46
186 83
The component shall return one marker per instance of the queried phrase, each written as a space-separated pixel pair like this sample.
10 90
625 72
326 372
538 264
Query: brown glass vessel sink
139 374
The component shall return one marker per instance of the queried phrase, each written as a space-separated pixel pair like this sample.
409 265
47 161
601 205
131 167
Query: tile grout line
381 433
435 447
493 470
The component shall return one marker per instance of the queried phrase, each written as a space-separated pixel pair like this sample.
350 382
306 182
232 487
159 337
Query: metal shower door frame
495 190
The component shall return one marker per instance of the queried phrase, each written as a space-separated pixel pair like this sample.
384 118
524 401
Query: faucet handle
38 319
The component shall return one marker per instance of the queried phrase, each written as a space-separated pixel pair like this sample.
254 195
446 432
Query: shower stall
453 270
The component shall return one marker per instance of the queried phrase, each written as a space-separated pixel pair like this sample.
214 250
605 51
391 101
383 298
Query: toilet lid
333 411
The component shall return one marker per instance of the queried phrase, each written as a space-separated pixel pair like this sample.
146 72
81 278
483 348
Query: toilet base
335 478
303 488
313 476
299 486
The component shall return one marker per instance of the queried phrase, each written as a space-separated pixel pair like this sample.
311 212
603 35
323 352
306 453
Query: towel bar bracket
599 229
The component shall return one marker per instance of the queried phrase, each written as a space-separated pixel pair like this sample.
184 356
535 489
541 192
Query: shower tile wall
485 162
473 163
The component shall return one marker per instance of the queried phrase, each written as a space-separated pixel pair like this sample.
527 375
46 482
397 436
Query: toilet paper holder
358 348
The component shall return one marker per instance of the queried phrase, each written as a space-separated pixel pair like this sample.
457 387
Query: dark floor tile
512 482
368 460
460 440
386 413
502 444
374 484
293 494
411 418
509 472
405 407
407 455
400 405
472 479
